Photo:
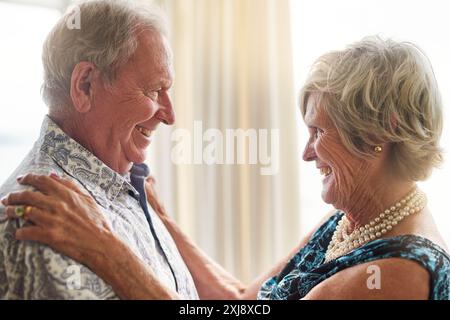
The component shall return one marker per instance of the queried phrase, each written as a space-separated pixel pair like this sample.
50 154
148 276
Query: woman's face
345 176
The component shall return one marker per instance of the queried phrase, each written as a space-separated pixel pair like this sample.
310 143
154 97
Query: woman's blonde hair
382 91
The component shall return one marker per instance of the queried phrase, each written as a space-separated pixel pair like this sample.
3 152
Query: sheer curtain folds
234 70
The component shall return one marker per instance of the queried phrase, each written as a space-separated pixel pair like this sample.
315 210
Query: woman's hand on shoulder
62 216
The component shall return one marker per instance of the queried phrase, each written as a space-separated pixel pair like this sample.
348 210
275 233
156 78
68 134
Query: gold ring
28 209
19 211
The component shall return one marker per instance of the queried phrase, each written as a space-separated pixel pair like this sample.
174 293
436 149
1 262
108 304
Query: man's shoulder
36 271
36 162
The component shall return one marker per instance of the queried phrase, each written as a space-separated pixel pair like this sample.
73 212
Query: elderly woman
374 116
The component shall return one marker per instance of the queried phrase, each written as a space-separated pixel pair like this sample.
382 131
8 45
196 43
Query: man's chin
138 161
139 158
135 158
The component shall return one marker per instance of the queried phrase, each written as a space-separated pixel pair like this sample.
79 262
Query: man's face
127 115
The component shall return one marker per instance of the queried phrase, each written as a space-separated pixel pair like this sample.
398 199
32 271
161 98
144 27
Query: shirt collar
80 163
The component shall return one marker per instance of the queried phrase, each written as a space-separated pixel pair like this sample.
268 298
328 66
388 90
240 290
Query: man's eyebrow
153 86
161 84
167 82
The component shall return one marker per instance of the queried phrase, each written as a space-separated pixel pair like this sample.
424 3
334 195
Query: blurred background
238 64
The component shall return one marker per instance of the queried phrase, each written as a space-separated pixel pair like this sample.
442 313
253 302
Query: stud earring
377 149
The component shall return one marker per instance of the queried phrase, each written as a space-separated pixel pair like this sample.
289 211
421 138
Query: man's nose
166 113
309 154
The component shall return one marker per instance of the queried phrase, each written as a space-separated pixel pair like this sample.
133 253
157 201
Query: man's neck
75 127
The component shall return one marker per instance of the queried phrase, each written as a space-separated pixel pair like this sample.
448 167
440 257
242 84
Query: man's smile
144 131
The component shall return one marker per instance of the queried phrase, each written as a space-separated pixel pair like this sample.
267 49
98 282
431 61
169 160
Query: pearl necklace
341 243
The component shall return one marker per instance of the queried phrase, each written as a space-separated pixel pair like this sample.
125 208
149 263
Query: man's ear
81 87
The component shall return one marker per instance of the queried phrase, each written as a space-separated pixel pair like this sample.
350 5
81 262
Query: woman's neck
368 203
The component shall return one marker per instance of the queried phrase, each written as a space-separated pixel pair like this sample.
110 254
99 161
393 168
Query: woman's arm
211 279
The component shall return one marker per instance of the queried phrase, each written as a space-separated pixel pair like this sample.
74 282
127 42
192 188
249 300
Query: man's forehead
153 58
153 45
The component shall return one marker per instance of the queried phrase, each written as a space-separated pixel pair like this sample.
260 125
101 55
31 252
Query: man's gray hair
106 37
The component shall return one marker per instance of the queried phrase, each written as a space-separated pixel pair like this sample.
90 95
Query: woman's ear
81 87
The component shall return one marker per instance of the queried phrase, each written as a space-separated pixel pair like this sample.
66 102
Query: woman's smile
325 171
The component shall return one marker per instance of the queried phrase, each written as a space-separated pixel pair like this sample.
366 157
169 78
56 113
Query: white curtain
233 66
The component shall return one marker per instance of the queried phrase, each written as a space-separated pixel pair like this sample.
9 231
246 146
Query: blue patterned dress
307 268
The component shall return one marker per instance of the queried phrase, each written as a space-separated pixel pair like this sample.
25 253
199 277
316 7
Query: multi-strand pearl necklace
341 243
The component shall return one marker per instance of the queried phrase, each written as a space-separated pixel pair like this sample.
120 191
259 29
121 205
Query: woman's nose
309 154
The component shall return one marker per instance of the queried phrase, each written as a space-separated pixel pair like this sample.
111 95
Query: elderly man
106 86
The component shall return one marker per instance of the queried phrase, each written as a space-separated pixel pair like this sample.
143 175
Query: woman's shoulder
384 279
410 264
400 267
421 225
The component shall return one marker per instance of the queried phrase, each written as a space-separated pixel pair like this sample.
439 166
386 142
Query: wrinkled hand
63 217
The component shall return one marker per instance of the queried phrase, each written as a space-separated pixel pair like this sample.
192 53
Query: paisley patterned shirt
29 270
307 268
